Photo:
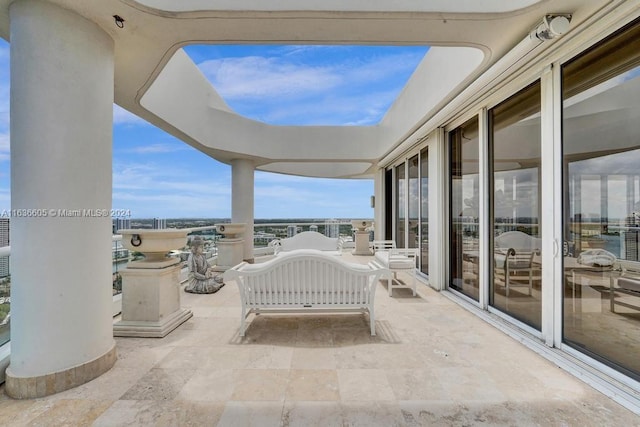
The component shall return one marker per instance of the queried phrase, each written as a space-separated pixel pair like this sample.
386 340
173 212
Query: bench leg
506 283
243 320
372 320
414 282
612 295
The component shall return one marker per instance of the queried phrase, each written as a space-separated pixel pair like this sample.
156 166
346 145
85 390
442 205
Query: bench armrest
234 272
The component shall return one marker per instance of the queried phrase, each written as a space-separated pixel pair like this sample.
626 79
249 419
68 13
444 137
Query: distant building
121 224
262 238
4 241
313 228
159 223
332 228
292 230
118 252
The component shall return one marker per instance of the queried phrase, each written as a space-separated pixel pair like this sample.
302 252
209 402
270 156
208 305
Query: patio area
432 363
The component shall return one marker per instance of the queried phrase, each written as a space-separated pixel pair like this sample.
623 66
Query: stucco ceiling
148 47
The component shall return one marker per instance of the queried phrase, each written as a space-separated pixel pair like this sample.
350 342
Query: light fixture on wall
136 240
119 21
551 27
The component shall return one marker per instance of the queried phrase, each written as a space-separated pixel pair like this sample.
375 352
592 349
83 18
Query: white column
61 136
242 180
378 208
438 210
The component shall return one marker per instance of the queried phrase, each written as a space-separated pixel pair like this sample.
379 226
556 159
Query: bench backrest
383 245
305 278
309 240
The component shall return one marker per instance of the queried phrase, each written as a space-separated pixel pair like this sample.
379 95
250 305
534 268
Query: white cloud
359 109
5 142
122 116
255 77
5 147
259 77
178 205
157 178
158 148
280 88
152 189
4 51
285 196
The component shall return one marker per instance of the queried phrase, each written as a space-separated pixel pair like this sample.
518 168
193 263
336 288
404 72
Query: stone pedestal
362 243
230 253
231 247
150 302
362 236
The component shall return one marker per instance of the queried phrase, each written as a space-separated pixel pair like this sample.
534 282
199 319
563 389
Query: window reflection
424 212
464 209
401 199
601 152
514 127
5 300
414 202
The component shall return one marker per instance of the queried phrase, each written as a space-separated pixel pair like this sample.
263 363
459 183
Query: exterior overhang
155 80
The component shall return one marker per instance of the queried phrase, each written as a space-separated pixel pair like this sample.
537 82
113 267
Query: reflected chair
513 254
628 283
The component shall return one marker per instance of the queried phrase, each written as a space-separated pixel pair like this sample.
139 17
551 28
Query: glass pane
514 128
119 260
5 300
424 211
401 198
414 202
5 284
464 146
601 153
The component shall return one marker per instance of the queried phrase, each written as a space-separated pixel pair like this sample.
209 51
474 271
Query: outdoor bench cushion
395 262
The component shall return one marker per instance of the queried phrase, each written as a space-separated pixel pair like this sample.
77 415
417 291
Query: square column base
150 302
362 243
142 329
230 253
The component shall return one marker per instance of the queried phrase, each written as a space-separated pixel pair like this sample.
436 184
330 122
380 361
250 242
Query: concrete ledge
45 385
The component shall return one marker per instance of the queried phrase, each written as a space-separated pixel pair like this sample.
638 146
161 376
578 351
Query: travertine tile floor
431 364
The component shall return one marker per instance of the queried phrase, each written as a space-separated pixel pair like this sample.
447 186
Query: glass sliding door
464 209
401 205
601 209
424 211
514 138
414 204
388 204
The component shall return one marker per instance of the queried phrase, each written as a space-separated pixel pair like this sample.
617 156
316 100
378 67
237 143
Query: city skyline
157 175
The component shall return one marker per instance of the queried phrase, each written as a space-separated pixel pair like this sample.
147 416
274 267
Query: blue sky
157 175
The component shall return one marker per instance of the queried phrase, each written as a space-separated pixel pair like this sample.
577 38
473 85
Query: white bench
307 240
306 281
394 259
